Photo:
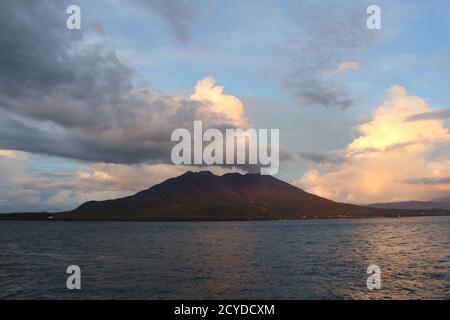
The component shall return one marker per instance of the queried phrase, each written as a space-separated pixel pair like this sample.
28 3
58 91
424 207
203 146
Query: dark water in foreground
227 260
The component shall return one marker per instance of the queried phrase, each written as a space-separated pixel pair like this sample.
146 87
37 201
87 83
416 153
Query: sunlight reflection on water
322 259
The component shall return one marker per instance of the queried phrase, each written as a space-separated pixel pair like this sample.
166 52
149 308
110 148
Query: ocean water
321 259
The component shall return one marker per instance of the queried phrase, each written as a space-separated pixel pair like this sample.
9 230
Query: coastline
51 217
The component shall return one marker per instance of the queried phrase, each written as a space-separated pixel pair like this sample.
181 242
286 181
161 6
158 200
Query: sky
88 114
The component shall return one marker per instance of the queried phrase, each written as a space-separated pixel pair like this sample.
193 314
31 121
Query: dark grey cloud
429 181
393 147
334 157
330 33
442 114
64 97
179 14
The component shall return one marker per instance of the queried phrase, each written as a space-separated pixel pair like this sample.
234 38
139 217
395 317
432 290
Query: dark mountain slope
205 196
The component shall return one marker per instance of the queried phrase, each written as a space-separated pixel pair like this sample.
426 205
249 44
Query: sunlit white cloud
390 153
23 188
214 101
8 154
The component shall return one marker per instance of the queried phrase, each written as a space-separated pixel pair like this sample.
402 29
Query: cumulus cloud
13 172
391 160
24 189
63 96
217 103
329 34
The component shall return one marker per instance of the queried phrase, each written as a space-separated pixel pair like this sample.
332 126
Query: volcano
203 196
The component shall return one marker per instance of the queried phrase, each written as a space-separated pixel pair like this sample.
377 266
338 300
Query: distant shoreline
51 217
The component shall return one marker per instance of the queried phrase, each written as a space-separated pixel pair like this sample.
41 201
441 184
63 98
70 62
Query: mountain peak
206 196
199 173
232 196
